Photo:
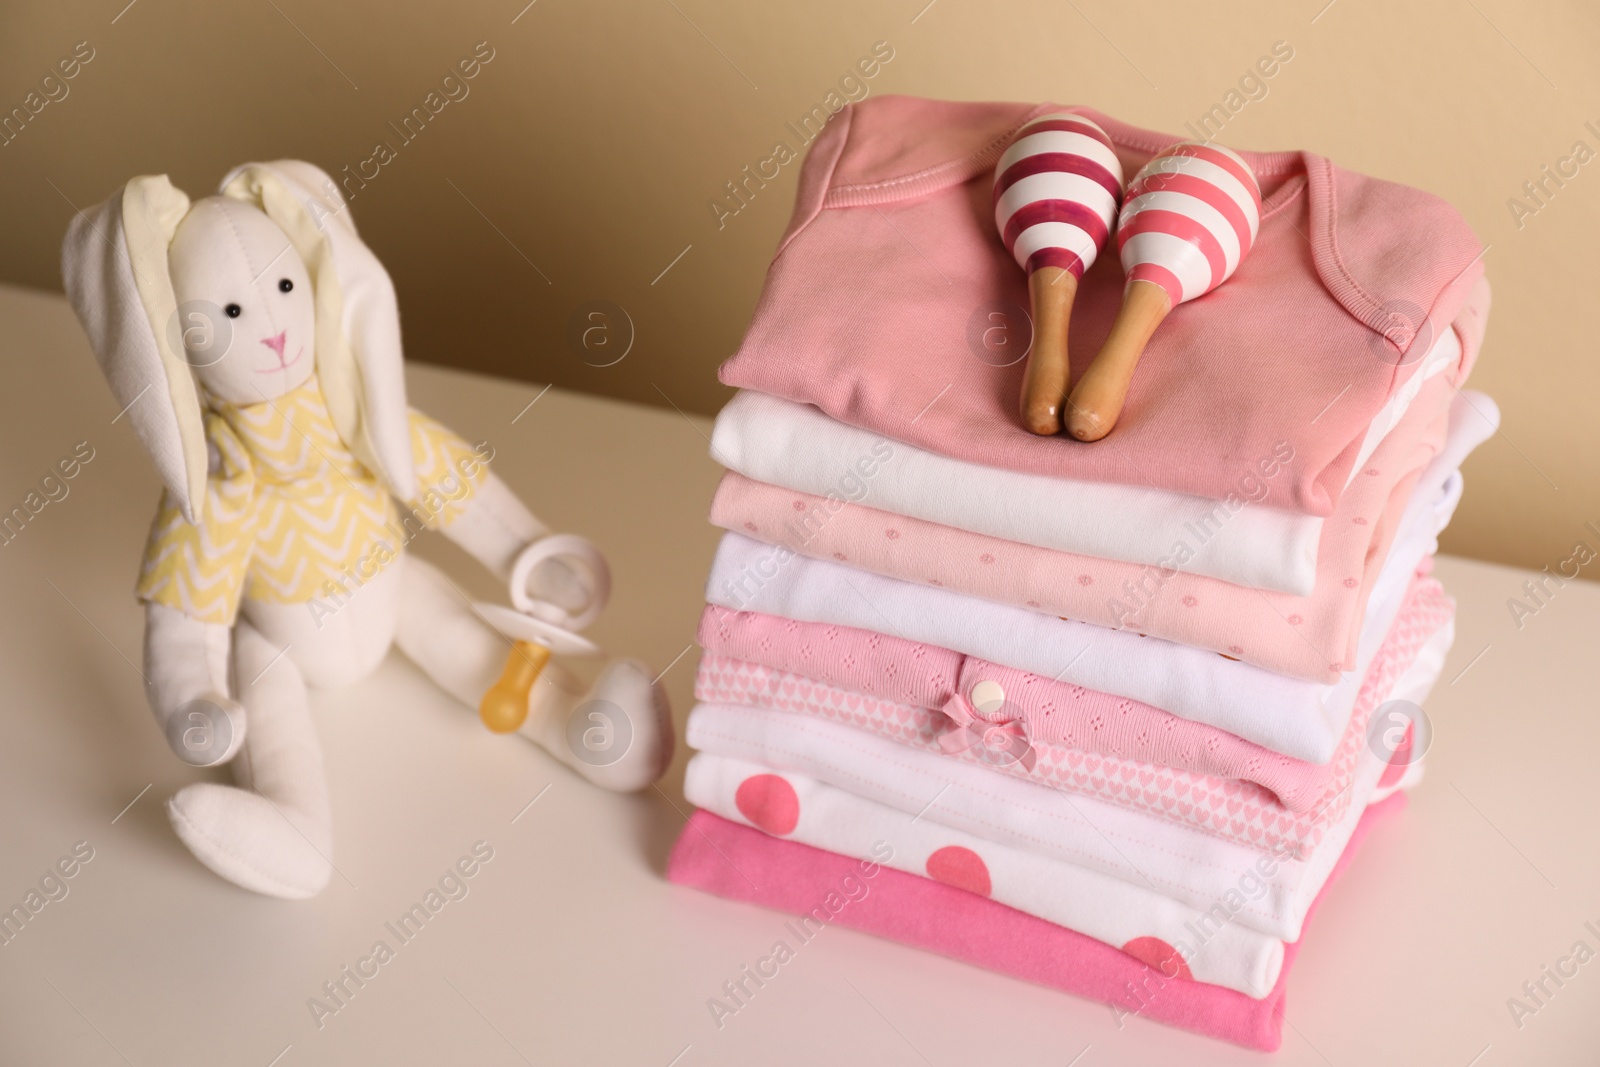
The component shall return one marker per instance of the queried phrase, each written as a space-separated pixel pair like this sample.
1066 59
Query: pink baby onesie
890 275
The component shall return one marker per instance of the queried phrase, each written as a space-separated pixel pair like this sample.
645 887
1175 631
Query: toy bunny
254 342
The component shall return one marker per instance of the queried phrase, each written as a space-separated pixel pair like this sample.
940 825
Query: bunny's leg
623 726
274 833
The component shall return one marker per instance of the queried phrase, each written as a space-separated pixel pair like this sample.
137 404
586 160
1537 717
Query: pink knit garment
1291 817
741 863
877 304
898 672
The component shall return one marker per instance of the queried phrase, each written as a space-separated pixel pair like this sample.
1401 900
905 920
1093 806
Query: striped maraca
1189 217
1056 191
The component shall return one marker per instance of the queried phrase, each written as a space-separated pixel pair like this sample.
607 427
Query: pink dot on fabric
750 526
986 558
840 556
1156 953
1372 472
1359 521
959 867
1295 620
769 803
1084 579
1033 603
1350 583
1189 601
891 534
1236 650
799 505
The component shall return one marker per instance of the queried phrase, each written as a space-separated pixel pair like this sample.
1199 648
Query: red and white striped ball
1056 190
1190 216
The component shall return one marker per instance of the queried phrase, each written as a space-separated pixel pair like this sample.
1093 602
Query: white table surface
570 946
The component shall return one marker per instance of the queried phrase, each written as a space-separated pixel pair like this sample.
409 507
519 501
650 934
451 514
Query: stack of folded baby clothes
1108 717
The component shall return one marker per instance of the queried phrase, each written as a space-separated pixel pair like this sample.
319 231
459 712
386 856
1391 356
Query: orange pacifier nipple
537 630
504 707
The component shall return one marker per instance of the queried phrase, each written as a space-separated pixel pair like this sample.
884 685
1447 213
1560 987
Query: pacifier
538 629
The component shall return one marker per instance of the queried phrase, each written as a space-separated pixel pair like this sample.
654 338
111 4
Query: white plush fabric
464 655
273 834
186 659
225 251
114 269
359 359
340 646
280 245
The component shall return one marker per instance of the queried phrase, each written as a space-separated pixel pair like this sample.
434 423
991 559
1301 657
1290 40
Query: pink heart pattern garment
1237 810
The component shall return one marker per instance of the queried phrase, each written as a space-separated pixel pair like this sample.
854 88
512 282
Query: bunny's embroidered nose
277 343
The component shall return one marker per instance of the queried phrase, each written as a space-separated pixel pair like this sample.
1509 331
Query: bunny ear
359 362
114 266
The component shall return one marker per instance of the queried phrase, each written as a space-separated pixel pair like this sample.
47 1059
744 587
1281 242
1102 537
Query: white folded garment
1136 849
1212 946
798 447
1297 718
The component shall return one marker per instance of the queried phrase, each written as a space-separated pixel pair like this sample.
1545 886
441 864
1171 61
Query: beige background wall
582 162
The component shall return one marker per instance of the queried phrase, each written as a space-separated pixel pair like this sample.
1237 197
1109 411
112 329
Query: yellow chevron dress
290 515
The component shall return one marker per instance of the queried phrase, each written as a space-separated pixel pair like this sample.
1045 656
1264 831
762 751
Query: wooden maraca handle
1048 375
1097 399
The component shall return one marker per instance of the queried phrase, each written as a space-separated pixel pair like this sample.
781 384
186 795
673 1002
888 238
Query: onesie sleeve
199 568
448 469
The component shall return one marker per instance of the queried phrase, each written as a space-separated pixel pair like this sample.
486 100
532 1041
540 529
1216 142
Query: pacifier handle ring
550 547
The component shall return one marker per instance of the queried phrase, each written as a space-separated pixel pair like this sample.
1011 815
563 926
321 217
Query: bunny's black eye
284 285
232 311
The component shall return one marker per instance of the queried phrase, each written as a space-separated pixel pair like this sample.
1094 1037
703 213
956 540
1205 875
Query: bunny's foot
274 833
252 842
618 735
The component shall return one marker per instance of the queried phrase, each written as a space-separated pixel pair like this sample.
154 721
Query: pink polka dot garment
1137 919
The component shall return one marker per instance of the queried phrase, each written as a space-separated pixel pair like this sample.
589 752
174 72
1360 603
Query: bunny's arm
186 660
495 526
191 582
462 498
